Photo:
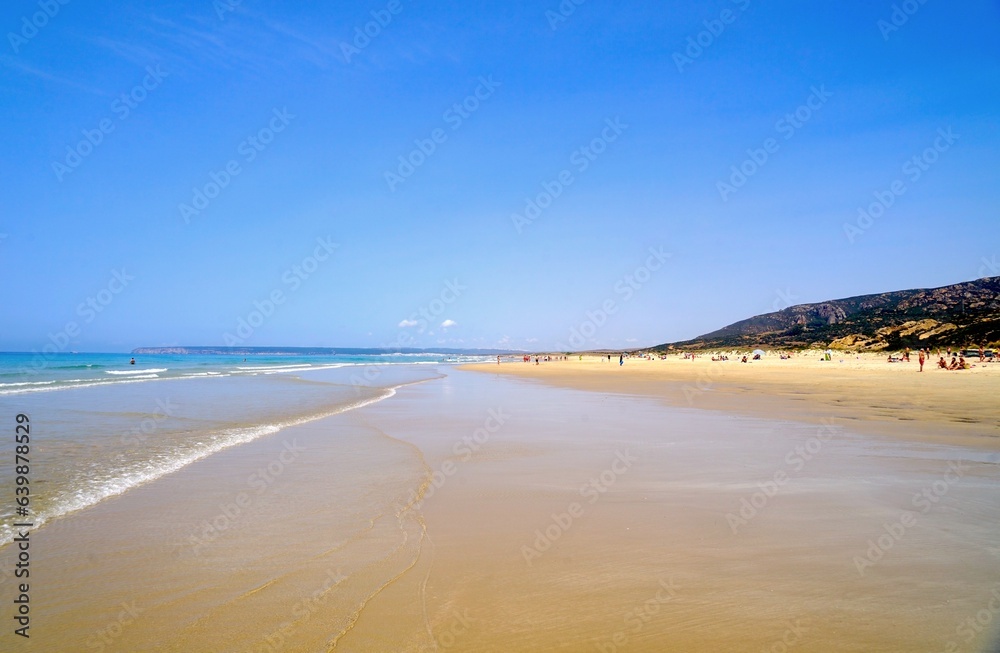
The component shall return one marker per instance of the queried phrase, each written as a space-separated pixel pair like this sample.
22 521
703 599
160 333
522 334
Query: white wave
153 470
73 384
132 372
11 385
307 369
273 367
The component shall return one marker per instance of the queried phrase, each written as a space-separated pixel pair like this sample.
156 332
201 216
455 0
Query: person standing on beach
621 359
921 359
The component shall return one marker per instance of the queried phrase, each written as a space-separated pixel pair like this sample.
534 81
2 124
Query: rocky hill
960 315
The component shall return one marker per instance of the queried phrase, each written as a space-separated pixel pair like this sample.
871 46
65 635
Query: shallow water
100 427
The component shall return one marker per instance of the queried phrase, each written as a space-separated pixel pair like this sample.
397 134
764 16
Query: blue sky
693 91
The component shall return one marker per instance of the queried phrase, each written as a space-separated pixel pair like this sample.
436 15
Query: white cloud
406 324
448 323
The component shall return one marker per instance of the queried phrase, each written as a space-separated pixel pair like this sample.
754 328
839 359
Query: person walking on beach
921 359
621 360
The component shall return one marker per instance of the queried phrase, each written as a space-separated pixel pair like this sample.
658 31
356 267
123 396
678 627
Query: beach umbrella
758 352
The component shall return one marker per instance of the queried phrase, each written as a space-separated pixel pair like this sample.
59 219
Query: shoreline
859 391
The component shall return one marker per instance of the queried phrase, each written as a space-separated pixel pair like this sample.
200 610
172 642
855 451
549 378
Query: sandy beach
860 391
481 512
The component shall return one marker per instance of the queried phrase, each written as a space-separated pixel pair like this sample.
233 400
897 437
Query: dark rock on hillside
960 315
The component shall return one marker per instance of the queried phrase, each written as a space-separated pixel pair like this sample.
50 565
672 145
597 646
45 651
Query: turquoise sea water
22 373
101 426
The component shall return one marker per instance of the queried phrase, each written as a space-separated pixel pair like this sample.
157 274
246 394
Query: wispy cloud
247 40
26 69
329 52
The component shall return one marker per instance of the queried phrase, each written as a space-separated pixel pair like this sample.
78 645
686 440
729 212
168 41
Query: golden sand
862 391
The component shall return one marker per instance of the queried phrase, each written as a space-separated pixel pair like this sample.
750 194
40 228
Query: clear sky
627 123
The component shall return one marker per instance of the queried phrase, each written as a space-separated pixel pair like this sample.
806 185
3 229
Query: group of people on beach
539 359
959 364
958 361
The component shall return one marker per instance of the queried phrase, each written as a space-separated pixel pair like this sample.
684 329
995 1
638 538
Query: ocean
101 426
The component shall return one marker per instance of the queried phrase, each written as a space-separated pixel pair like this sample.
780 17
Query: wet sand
483 513
863 392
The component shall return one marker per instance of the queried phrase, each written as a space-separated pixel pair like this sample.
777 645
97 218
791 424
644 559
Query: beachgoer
132 362
954 364
621 360
921 360
942 363
498 359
